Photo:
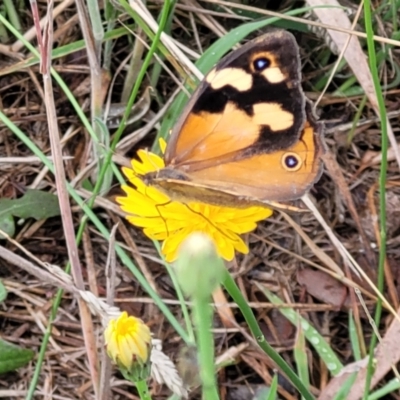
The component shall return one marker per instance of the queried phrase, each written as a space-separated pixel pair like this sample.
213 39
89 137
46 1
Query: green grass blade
320 345
300 356
238 298
382 184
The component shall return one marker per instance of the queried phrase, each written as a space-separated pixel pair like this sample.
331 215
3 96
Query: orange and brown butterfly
246 140
247 135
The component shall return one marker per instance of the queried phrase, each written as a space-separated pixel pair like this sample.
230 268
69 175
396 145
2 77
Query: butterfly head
164 174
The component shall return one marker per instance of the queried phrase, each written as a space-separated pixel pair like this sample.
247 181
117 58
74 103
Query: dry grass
292 256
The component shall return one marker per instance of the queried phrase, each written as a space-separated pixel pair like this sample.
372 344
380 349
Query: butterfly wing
251 101
248 133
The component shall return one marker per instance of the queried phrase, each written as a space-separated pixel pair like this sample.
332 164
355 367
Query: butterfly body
248 135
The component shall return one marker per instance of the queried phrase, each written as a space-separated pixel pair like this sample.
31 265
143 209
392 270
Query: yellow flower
127 341
171 221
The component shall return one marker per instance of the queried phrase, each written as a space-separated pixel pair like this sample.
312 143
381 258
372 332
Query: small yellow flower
127 341
171 221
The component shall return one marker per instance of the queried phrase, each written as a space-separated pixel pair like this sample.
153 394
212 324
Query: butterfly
247 135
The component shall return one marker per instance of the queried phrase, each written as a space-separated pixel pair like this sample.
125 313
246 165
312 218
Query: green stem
202 315
238 298
143 390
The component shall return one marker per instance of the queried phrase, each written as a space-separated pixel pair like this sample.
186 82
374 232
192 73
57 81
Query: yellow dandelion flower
127 341
171 221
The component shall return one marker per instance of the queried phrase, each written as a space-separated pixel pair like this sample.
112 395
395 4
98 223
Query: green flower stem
238 298
202 316
200 270
143 390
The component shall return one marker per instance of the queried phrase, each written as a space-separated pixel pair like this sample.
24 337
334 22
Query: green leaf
13 357
3 292
300 356
6 223
273 391
344 390
354 339
34 204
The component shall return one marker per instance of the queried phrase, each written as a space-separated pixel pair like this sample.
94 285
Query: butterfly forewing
252 100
